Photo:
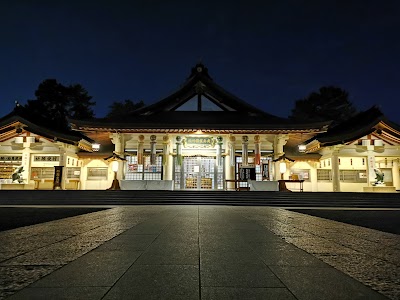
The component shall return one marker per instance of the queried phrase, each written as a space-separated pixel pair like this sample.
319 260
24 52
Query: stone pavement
198 252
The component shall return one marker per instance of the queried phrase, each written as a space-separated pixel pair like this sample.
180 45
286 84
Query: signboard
132 167
57 177
246 173
198 142
150 168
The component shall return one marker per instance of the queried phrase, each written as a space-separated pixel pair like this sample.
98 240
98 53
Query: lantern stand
282 169
115 159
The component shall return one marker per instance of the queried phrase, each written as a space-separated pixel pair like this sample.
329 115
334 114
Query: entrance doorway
199 173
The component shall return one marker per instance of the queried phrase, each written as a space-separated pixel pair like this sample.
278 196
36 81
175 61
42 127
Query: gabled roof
362 124
16 123
199 82
232 114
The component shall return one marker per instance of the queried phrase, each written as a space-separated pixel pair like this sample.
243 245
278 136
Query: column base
282 186
114 185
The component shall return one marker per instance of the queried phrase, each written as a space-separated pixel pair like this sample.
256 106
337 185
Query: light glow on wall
302 148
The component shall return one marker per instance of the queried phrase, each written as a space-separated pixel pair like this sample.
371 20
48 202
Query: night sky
268 53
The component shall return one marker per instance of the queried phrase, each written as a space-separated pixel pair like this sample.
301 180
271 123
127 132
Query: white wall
96 184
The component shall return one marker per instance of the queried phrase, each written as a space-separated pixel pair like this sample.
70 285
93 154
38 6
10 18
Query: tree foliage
80 103
55 103
118 109
328 104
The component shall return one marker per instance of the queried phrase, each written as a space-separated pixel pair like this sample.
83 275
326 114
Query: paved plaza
198 252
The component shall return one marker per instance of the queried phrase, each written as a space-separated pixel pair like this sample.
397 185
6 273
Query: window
42 173
353 176
73 173
302 174
97 173
8 165
143 172
387 178
350 176
6 171
324 175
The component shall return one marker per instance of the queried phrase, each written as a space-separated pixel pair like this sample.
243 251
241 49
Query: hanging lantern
219 151
153 149
257 151
282 161
178 150
302 148
140 150
282 168
232 140
95 147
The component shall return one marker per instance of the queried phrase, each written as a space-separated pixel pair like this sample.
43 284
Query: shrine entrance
199 173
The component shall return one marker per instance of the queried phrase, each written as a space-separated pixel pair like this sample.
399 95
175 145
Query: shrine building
202 137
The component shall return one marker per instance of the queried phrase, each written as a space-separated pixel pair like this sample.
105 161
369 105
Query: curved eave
85 145
307 157
343 139
387 131
313 146
165 127
345 136
193 129
8 130
381 129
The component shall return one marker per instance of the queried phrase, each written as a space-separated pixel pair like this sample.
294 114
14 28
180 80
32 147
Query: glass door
206 172
191 170
197 173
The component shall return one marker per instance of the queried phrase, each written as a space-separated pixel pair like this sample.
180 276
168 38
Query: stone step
284 199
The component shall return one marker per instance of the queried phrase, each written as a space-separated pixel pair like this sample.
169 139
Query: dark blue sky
268 53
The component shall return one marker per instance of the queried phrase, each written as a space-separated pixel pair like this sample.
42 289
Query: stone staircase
244 198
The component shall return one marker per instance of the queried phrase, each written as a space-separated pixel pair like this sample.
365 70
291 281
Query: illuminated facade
201 137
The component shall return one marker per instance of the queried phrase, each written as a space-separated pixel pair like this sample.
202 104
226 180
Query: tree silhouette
118 109
79 106
328 104
55 103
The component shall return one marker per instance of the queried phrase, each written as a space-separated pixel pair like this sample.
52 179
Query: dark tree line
56 103
118 109
328 104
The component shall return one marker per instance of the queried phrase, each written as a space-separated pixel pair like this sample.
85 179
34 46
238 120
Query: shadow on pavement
11 217
382 220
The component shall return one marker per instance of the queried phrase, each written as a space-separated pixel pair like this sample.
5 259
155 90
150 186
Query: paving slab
97 268
228 293
64 293
322 283
157 282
